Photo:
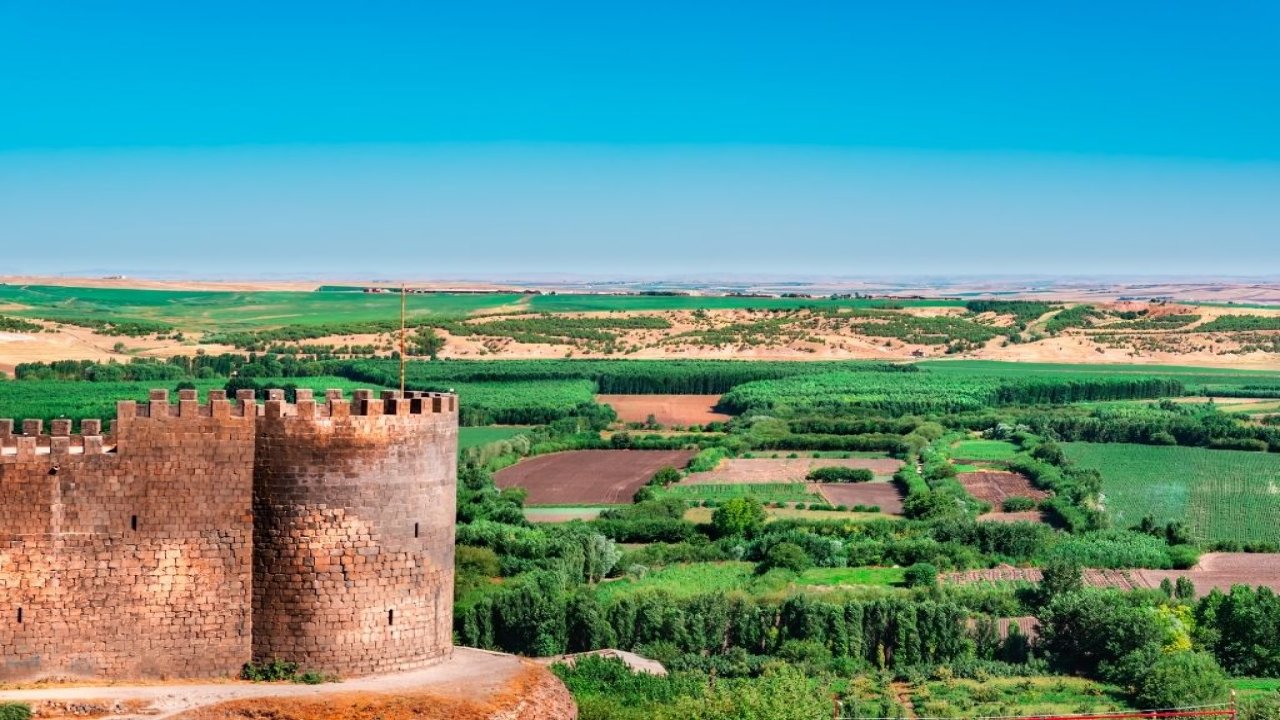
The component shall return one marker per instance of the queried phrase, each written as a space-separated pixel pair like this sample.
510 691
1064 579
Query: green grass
1192 377
984 450
230 311
469 437
1252 687
545 513
965 468
999 697
851 576
688 580
1219 494
764 492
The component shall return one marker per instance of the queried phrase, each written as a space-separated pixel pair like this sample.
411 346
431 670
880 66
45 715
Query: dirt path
902 691
469 675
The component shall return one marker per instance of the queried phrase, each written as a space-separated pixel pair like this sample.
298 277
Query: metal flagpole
403 298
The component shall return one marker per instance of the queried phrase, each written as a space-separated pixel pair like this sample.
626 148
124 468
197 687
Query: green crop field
1220 494
1194 378
49 399
231 311
469 437
764 492
828 577
984 450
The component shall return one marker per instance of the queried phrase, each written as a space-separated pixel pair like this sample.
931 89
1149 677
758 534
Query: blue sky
657 137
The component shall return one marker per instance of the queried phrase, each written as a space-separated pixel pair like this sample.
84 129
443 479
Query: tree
665 476
1184 589
1090 630
1179 680
921 575
786 556
738 516
1059 577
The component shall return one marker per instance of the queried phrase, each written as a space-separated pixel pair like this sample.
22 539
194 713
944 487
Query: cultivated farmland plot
1219 494
588 477
887 495
665 409
994 487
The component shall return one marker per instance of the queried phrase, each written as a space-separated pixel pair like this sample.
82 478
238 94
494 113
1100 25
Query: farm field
469 437
561 514
994 486
1214 571
692 579
665 409
596 303
775 470
49 399
222 311
589 477
1219 494
703 514
785 492
1001 697
886 495
983 450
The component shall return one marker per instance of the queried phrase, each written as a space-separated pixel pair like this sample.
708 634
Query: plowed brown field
588 477
665 409
994 487
885 494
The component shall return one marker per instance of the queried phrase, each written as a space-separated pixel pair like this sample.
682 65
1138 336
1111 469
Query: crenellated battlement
28 440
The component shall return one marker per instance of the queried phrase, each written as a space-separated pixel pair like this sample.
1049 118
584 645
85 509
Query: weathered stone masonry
193 537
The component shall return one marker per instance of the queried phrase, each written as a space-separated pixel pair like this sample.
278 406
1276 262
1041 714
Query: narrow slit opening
133 523
416 529
391 617
19 616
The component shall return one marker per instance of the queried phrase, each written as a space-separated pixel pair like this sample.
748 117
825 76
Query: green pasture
764 492
1219 494
991 450
469 437
230 311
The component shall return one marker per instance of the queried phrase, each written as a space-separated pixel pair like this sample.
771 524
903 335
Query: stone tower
354 507
191 538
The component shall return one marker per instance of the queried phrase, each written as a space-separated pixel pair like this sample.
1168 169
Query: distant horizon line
578 277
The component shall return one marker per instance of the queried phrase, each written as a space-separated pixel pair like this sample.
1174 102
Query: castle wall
128 555
354 509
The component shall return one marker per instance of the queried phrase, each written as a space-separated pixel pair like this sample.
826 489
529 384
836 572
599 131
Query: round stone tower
353 531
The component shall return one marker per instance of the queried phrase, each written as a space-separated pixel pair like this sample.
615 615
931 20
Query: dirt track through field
665 409
588 477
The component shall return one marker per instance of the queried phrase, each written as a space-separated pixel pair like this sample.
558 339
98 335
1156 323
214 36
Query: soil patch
885 494
665 409
768 470
604 477
994 486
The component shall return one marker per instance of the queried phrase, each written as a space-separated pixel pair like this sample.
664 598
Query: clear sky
649 137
